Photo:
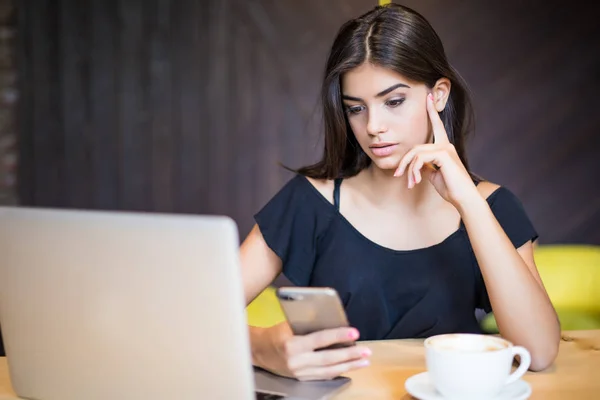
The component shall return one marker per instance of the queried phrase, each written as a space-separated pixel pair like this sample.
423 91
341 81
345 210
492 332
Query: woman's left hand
440 163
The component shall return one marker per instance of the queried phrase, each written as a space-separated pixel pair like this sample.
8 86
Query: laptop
114 305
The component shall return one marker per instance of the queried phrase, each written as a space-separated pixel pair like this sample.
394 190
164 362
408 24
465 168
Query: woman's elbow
543 356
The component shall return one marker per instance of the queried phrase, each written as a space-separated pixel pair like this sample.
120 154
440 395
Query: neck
383 187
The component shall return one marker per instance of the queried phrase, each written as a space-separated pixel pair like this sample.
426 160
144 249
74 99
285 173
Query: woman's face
387 112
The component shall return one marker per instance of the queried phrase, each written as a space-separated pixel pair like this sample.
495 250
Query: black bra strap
336 193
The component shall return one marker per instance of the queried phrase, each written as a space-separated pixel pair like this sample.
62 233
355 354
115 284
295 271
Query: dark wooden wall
188 106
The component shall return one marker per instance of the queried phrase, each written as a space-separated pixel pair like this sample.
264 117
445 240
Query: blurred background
188 106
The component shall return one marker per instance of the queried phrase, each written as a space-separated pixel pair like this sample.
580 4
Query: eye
394 102
354 109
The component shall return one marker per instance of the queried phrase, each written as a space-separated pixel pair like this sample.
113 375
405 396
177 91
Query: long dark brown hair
401 39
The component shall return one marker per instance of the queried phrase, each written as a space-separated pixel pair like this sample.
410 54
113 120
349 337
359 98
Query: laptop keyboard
268 396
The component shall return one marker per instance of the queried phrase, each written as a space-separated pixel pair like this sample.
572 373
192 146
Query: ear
441 92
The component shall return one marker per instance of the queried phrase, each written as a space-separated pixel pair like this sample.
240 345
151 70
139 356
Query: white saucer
420 386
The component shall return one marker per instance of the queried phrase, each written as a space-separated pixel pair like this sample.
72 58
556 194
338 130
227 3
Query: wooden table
574 375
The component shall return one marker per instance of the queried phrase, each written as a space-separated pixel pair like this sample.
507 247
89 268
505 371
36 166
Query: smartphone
312 309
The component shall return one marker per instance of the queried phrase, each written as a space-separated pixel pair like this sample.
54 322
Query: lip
383 149
381 144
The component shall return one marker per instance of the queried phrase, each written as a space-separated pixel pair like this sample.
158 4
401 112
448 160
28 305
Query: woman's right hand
277 350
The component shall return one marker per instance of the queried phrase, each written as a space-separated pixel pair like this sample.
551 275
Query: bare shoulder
323 186
486 188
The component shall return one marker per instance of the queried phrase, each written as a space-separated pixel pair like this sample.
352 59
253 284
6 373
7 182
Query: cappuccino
471 366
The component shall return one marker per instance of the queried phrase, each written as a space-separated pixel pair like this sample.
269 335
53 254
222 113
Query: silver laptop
112 305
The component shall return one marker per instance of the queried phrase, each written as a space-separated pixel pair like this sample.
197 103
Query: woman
391 217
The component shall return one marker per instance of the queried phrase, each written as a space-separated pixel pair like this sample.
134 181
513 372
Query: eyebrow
380 94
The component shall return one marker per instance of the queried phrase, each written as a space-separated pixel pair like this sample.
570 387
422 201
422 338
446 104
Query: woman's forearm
257 344
521 306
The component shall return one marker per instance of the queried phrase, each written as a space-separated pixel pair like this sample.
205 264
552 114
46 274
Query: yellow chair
264 311
571 275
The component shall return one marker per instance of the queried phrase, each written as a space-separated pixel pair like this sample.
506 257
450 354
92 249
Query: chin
386 164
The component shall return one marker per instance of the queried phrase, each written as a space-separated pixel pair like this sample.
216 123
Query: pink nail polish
353 335
366 353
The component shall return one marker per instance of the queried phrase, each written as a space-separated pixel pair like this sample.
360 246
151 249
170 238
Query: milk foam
467 343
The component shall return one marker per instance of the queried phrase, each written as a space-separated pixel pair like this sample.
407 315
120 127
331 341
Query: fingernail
366 353
353 334
364 363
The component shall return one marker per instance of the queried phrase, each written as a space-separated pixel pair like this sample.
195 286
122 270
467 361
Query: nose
376 123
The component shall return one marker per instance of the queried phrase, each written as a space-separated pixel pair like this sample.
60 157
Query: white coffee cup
472 366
